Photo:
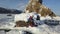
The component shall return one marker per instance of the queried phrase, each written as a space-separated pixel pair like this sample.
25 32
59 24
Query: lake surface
6 19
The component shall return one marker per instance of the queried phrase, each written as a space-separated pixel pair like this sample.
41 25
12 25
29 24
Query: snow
57 18
22 17
41 29
25 16
6 24
27 11
47 17
33 30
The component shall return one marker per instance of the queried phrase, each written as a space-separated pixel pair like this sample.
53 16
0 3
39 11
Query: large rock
36 6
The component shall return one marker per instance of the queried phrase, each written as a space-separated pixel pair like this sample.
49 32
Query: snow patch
22 17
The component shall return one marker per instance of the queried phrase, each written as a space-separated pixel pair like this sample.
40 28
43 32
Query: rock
36 6
21 24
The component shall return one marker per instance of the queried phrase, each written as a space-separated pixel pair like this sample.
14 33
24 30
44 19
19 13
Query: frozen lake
6 19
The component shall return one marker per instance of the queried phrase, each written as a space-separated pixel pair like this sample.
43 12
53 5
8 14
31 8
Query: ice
6 21
2 32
